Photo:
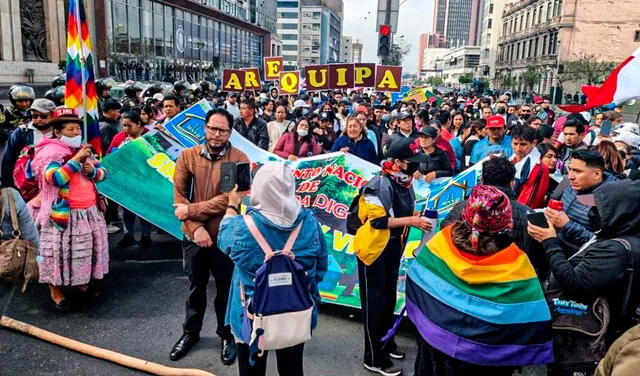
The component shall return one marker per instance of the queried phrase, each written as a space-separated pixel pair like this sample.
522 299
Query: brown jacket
623 357
208 204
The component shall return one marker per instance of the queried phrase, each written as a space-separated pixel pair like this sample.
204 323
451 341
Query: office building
346 46
456 22
356 48
489 34
320 35
288 29
457 62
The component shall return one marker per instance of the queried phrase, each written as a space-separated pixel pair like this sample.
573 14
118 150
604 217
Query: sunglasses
39 116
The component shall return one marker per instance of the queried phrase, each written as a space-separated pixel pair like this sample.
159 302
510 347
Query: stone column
6 32
52 27
14 8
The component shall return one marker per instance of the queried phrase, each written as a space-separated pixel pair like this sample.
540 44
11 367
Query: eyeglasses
220 131
39 116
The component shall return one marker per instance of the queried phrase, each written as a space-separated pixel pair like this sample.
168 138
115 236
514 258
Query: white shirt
233 109
37 135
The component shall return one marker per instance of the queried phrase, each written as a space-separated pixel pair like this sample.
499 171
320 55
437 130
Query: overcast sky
415 17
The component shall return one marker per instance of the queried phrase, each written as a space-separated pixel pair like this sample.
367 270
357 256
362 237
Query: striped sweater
482 310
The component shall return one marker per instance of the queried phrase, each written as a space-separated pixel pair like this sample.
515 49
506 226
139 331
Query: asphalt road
140 312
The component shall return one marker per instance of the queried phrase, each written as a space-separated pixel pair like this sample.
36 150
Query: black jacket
438 162
521 237
108 130
601 268
256 132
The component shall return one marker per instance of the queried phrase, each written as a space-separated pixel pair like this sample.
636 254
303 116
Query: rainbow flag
483 310
80 89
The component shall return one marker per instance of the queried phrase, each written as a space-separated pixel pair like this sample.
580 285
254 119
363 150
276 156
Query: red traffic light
385 30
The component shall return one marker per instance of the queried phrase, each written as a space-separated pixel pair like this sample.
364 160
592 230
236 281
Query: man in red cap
497 143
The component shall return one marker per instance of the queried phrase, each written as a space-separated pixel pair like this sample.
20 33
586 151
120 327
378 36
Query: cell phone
243 176
538 219
227 176
605 128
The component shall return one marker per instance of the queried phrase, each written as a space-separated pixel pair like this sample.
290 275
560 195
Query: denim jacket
235 240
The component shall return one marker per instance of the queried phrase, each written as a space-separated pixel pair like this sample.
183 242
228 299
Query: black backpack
353 220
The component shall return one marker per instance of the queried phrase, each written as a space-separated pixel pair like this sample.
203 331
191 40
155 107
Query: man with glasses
200 205
29 133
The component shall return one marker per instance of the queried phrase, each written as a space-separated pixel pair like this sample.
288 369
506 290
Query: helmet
153 89
179 85
104 84
21 92
205 85
131 91
196 88
58 81
56 95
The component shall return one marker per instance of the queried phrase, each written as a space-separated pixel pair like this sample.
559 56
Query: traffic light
384 41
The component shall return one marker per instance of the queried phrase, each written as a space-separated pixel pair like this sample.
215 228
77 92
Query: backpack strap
264 245
627 294
15 224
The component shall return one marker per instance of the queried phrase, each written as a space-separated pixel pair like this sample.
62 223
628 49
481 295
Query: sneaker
396 354
145 241
112 229
126 241
390 370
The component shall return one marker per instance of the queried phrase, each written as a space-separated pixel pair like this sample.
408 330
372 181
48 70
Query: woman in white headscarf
276 213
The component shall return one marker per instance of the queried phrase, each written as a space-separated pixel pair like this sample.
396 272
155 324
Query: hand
557 218
202 238
87 168
82 154
292 157
430 177
181 212
421 223
235 197
344 149
541 234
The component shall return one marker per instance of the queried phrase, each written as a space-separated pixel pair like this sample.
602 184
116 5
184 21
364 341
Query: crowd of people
582 178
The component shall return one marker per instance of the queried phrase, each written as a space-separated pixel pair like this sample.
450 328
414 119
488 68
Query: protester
486 112
465 329
600 267
532 176
458 120
276 213
462 144
324 132
74 247
497 143
613 162
546 113
231 105
200 206
297 144
373 132
110 123
268 112
573 131
147 118
631 161
250 127
623 357
279 126
30 133
437 165
405 129
388 214
170 107
355 141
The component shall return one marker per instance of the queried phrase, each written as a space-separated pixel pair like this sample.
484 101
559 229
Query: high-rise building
456 22
489 34
337 6
422 46
356 48
320 35
545 34
346 46
288 29
264 13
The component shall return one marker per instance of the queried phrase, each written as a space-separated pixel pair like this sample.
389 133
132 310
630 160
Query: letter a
234 82
388 81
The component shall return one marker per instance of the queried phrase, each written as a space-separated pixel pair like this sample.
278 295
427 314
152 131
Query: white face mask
72 142
390 132
302 132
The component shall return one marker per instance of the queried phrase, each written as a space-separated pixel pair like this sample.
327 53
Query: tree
484 82
465 79
531 77
397 52
586 69
435 81
62 65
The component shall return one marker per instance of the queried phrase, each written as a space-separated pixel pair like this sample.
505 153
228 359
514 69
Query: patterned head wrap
488 211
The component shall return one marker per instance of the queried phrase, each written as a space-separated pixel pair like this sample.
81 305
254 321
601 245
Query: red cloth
532 193
448 136
119 138
445 146
286 146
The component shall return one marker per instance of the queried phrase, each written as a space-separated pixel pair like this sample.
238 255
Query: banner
326 185
417 95
233 80
341 76
252 79
364 75
273 67
290 83
317 77
388 78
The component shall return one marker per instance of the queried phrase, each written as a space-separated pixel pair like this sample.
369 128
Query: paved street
140 313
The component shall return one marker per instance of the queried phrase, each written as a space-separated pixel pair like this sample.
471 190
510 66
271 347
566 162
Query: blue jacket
363 148
459 152
483 148
578 231
235 240
19 138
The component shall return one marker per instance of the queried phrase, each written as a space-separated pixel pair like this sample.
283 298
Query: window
289 37
288 15
288 4
287 47
540 13
636 38
491 8
288 26
533 19
544 46
293 58
489 23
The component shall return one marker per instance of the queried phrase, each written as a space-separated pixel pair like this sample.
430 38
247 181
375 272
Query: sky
415 17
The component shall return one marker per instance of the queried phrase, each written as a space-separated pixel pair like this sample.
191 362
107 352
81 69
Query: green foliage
62 65
465 79
484 82
435 81
586 69
398 52
531 77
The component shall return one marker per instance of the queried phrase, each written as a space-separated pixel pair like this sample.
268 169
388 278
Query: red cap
496 121
363 109
537 99
64 111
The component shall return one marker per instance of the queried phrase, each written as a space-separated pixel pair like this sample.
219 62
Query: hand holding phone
605 128
538 219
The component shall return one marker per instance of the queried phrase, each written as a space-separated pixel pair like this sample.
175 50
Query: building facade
346 46
432 62
356 48
459 61
489 35
33 40
263 13
545 34
288 29
320 36
456 22
178 39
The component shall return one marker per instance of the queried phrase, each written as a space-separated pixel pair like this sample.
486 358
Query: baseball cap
495 121
405 115
428 131
43 106
65 115
158 96
363 109
300 103
405 148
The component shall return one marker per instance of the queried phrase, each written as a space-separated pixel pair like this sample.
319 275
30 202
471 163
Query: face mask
390 132
411 168
501 111
316 100
305 112
72 142
302 132
385 118
403 109
345 112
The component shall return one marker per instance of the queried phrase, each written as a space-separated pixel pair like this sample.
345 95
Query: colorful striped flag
483 310
80 89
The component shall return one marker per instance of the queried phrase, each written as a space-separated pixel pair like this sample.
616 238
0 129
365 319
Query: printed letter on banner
365 75
388 78
272 67
289 83
252 79
232 80
317 77
340 76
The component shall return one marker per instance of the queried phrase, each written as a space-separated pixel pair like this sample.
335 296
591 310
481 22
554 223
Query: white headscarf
273 193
